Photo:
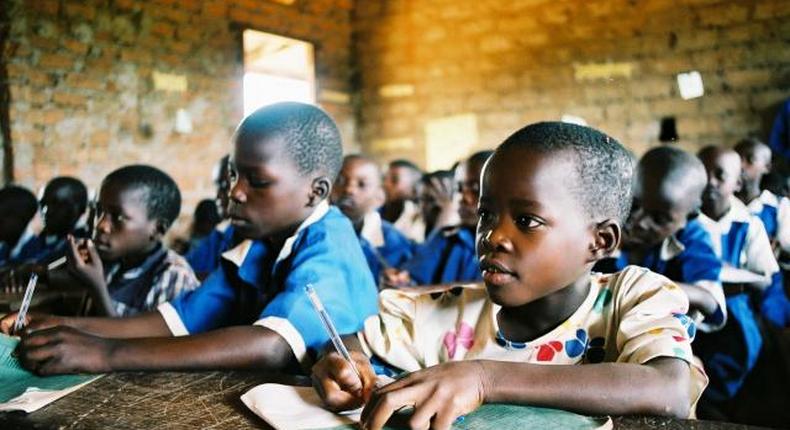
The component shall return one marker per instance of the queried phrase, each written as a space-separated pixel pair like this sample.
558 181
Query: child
251 313
774 212
18 206
62 206
663 235
616 344
125 266
358 193
401 188
205 256
438 207
740 241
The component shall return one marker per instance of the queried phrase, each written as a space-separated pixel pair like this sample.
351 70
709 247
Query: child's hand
439 395
392 277
32 322
59 350
85 263
338 385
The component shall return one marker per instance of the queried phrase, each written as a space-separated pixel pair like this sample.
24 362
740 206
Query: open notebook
22 390
288 407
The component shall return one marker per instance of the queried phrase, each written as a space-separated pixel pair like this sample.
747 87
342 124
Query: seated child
205 256
740 241
357 193
252 312
18 207
663 235
774 212
125 266
401 188
62 206
439 208
545 331
448 255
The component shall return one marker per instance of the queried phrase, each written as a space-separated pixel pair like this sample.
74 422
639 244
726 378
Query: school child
663 235
251 313
545 330
357 193
126 267
206 255
774 212
18 207
401 189
448 255
62 206
740 241
438 206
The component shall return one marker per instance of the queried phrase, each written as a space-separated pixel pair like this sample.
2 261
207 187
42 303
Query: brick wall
82 96
509 63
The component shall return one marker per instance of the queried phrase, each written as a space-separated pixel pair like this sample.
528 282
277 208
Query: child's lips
497 278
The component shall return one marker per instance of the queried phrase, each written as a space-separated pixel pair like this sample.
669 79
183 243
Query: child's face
123 228
269 197
399 183
358 190
724 173
534 237
467 180
659 211
756 163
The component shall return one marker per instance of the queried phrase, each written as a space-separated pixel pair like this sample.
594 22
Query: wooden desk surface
206 400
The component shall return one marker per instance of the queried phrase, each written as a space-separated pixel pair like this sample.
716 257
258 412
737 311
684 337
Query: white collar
736 213
372 230
671 248
239 253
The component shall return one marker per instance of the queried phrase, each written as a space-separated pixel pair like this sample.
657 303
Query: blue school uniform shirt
774 212
9 253
779 141
687 257
729 354
262 286
448 255
380 240
44 249
205 256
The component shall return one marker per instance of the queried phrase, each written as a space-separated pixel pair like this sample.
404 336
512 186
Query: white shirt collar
671 248
372 230
239 253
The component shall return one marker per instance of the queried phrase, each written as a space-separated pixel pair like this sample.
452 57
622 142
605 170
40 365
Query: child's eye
484 214
258 183
528 222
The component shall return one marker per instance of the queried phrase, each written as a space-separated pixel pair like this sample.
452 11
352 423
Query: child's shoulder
635 282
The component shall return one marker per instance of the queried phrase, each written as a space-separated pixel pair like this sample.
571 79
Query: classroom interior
87 86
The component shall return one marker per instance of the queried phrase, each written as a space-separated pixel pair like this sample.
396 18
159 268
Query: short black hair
18 205
480 157
77 191
604 168
402 162
162 197
678 169
748 146
311 136
438 174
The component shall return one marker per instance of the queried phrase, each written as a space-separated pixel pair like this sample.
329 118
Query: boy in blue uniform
774 212
358 193
740 241
662 232
18 206
126 267
448 255
205 256
62 205
252 313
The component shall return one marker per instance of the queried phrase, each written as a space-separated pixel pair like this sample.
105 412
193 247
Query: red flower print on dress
547 350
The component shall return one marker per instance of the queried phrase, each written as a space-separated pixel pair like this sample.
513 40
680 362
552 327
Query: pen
20 317
57 263
329 327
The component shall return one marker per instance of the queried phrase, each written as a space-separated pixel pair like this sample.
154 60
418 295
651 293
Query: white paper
290 407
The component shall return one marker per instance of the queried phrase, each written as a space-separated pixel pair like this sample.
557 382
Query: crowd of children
557 247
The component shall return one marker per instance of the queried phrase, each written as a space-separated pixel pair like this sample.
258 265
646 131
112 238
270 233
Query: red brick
56 61
50 117
162 29
80 81
49 7
125 4
217 10
69 99
75 46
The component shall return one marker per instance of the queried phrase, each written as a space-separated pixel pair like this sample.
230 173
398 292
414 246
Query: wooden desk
159 401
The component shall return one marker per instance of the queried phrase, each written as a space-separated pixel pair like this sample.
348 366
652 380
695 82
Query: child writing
125 266
358 193
448 255
252 312
740 241
663 235
600 333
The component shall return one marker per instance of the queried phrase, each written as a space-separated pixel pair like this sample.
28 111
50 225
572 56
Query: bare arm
149 324
67 350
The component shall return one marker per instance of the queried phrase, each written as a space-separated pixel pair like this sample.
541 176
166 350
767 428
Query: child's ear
159 230
319 190
607 238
